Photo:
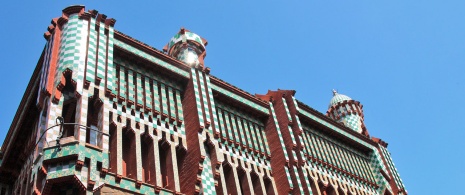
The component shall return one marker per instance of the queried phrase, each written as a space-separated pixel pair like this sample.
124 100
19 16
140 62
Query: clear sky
403 60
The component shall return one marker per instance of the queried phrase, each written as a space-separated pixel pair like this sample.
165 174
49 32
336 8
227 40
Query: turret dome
187 47
337 98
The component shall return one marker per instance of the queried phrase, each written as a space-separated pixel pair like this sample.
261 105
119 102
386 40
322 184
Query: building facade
107 114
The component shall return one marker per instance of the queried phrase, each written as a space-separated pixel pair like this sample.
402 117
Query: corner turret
347 111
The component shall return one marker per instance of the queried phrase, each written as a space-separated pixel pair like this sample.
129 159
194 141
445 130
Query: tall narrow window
166 165
269 186
69 107
257 187
129 154
148 159
243 182
113 148
93 117
229 179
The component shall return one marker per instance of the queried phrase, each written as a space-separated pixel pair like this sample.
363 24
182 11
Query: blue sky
404 61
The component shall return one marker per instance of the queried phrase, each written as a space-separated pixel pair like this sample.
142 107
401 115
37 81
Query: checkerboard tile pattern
208 181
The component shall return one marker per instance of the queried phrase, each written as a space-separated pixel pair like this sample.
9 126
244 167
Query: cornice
238 91
27 97
339 125
150 50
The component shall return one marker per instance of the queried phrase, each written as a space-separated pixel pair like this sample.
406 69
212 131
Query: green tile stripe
212 102
323 122
281 140
164 99
228 126
156 96
289 179
102 51
346 147
287 109
122 82
244 134
302 143
323 152
243 127
297 177
340 153
140 89
240 99
180 113
45 67
205 99
148 93
252 132
92 50
131 87
292 135
392 167
307 180
111 77
329 154
237 137
221 126
308 150
171 101
197 97
260 139
151 58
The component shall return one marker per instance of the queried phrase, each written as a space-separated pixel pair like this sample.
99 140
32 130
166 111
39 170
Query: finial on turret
334 92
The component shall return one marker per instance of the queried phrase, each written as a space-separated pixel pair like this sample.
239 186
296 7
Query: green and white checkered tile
91 54
208 181
111 75
101 65
392 167
353 122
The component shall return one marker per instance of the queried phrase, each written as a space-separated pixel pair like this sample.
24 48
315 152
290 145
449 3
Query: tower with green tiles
105 113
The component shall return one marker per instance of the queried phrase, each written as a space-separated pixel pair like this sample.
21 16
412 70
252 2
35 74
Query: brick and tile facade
138 120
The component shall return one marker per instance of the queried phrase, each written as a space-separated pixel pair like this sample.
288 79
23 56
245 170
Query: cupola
187 47
347 111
